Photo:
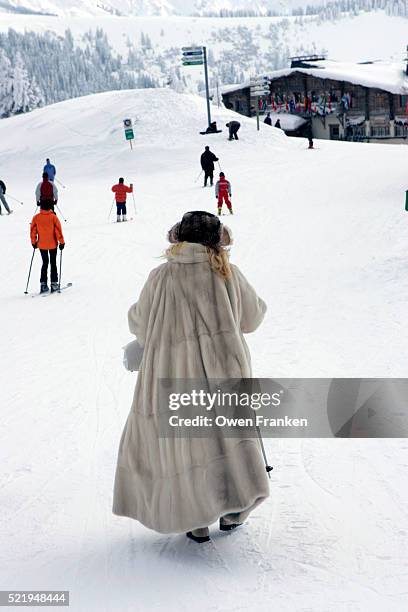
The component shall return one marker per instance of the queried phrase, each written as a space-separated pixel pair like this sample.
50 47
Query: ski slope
322 236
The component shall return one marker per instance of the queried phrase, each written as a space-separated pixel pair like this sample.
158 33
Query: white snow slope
364 37
322 236
154 7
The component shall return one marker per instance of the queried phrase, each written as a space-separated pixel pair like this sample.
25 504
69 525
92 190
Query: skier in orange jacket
121 190
46 233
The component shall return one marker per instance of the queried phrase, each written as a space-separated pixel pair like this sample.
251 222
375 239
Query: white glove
132 356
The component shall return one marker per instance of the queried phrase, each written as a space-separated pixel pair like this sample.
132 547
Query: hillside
322 237
151 7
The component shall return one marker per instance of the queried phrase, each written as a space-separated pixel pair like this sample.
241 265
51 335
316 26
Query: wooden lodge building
343 101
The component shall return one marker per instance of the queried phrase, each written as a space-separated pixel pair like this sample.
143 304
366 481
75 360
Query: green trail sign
193 62
190 53
129 134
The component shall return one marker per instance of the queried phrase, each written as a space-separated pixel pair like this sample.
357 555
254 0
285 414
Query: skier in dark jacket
3 199
309 135
233 127
278 124
268 119
207 163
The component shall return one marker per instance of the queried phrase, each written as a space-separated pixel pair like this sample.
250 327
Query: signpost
197 56
129 134
259 86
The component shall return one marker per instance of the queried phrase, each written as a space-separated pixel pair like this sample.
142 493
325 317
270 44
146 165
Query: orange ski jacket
45 230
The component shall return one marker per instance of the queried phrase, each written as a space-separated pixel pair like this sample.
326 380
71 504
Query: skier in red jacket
46 191
121 190
223 193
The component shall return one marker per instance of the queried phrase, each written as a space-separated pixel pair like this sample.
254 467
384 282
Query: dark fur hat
200 227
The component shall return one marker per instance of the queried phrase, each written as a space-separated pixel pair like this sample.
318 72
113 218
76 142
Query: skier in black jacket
233 127
207 163
3 199
268 119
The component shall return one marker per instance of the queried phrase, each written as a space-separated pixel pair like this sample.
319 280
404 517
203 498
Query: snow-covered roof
388 76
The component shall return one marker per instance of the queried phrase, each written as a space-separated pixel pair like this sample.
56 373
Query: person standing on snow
50 169
309 135
3 199
268 119
233 127
45 234
278 124
223 193
184 484
46 191
121 190
207 164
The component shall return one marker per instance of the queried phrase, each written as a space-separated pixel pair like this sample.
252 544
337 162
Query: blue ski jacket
50 170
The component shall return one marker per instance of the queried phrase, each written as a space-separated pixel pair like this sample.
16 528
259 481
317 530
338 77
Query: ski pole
59 183
268 467
110 212
219 165
15 199
134 202
60 272
199 176
61 213
29 273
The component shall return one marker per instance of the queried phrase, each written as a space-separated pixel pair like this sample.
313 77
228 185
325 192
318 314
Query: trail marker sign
129 134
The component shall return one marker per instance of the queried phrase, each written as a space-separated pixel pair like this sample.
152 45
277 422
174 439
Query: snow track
323 240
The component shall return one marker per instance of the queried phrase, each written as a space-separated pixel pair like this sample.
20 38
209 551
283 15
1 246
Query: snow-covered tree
24 92
5 84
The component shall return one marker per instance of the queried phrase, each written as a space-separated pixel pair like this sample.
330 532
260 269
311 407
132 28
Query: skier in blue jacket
50 169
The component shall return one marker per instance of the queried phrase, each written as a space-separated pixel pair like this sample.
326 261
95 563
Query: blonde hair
218 258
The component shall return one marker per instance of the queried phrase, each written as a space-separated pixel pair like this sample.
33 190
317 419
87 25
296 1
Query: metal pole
257 113
60 211
207 89
110 212
268 467
199 176
15 199
60 273
29 273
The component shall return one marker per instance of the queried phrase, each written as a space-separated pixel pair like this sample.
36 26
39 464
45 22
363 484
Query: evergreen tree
24 93
5 84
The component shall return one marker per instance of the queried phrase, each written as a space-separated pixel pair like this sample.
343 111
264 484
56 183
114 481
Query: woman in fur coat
190 319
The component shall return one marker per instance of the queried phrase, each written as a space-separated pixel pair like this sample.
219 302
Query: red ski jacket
121 190
223 187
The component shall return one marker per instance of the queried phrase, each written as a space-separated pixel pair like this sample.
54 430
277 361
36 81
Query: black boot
199 535
44 288
227 526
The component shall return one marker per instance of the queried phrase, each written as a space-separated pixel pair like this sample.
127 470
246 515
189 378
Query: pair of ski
120 222
48 293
